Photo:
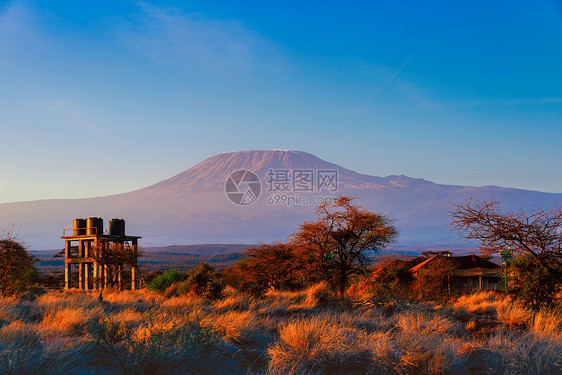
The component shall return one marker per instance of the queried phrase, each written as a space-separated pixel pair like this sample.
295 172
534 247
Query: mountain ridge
192 207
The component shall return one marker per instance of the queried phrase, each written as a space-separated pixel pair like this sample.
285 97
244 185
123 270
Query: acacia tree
538 232
268 266
16 265
334 247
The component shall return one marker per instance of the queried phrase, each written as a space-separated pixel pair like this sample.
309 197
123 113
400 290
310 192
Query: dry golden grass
547 323
316 344
319 295
514 315
361 290
129 315
237 302
70 320
481 302
236 327
419 323
132 297
311 332
523 353
18 333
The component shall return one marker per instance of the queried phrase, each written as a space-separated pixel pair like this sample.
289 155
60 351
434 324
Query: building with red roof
469 272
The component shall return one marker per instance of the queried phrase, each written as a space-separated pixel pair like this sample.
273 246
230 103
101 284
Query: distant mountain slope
192 207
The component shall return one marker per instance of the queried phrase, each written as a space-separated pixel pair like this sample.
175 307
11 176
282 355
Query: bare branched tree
537 232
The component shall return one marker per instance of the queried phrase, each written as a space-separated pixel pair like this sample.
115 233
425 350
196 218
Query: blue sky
88 107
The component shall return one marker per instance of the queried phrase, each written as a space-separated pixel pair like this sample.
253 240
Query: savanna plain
312 331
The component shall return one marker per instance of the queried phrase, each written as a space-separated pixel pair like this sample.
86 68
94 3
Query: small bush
202 281
394 275
149 277
532 283
16 267
167 279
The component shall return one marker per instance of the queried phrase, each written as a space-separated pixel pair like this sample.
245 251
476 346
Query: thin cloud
17 29
173 35
10 16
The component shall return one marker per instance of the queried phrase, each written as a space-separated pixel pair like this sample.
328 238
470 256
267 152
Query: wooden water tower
101 258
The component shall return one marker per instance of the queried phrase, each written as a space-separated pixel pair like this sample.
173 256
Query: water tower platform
101 259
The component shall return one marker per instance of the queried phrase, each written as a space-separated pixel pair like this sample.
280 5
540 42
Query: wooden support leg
67 274
120 277
80 276
86 276
93 252
67 266
133 278
96 276
134 266
81 265
106 276
87 266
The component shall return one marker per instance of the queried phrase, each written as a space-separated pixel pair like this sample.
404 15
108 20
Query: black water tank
116 227
95 226
79 227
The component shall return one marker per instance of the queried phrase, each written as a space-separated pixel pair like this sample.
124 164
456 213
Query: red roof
466 262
